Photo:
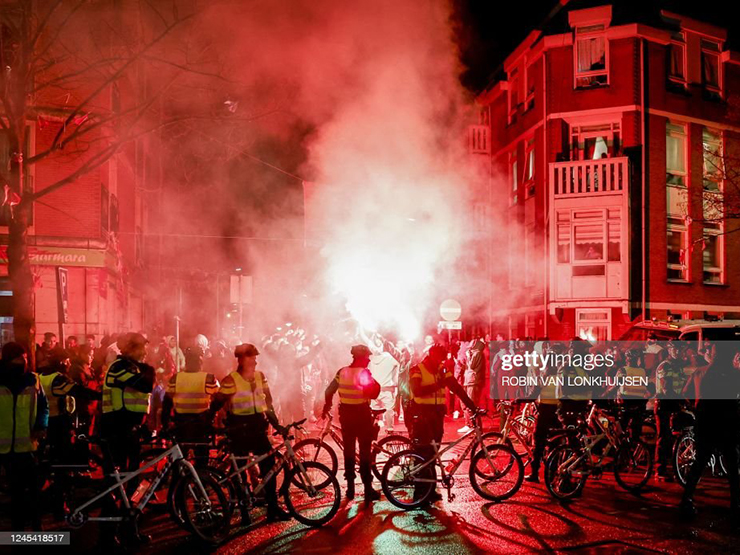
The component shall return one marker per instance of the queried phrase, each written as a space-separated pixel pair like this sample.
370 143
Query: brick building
606 140
93 226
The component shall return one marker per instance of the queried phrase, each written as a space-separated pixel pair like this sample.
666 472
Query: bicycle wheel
315 450
177 483
207 516
561 477
496 473
385 449
525 426
684 453
309 504
489 439
633 465
404 483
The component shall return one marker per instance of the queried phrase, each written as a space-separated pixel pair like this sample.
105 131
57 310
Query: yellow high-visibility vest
548 392
636 390
437 397
350 390
16 424
116 398
247 400
190 393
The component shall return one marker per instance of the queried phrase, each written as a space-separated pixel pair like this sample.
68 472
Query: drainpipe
644 172
546 196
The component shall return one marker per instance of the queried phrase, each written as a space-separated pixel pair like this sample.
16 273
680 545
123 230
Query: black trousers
547 417
357 433
664 410
248 435
21 470
194 428
428 426
715 432
633 415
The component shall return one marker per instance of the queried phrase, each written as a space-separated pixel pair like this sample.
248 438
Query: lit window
588 245
710 67
675 147
712 253
591 56
593 325
677 59
677 255
514 176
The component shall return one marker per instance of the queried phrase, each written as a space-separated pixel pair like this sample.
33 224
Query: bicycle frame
173 455
476 431
253 461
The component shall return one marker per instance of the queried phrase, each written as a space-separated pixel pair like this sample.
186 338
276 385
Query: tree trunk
19 267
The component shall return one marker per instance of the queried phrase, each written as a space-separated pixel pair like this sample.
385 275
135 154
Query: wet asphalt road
606 519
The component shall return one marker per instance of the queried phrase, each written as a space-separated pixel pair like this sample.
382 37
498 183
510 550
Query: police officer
717 426
669 383
428 382
126 392
633 394
23 420
249 411
190 393
547 407
62 395
574 396
356 387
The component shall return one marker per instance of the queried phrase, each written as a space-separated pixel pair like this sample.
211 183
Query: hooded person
474 379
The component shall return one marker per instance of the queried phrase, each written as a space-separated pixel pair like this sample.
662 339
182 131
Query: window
677 259
529 161
104 208
710 67
531 77
513 94
675 154
593 325
593 142
596 237
591 56
514 177
713 206
712 254
677 59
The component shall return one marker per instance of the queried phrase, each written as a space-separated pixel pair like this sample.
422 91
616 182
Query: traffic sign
450 310
446 325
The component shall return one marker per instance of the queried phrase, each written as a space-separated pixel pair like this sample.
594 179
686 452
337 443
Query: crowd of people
127 387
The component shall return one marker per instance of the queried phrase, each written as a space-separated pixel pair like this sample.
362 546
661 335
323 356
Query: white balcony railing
479 139
606 176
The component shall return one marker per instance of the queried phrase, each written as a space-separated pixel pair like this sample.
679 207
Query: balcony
479 139
607 176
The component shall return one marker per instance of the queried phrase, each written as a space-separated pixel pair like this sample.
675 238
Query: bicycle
684 450
310 490
199 499
318 450
496 472
569 465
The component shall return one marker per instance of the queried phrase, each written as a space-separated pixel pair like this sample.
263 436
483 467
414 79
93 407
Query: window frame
705 50
683 253
595 321
599 31
513 89
514 178
679 39
530 168
715 228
